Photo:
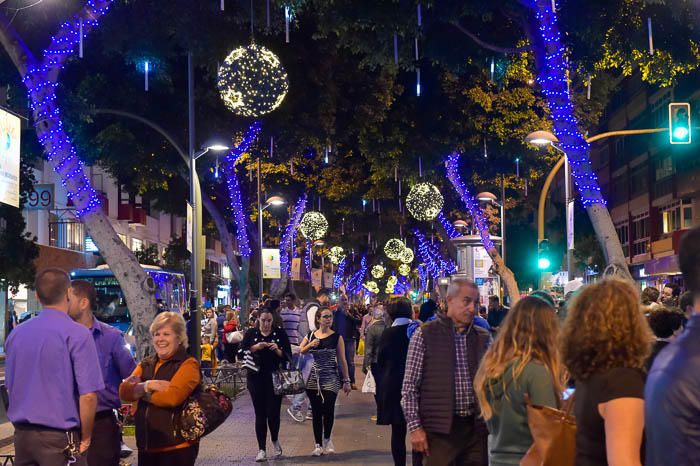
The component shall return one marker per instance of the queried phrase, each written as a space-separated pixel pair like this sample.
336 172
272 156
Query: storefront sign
482 262
9 158
271 263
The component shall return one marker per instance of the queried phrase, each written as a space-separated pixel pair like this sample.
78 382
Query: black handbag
205 410
288 382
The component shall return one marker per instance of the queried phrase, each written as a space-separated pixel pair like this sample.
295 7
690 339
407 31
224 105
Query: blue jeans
298 399
350 350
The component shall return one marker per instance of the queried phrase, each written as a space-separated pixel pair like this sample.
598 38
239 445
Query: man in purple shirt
116 363
53 375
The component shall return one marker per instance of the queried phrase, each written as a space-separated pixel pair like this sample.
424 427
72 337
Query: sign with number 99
40 198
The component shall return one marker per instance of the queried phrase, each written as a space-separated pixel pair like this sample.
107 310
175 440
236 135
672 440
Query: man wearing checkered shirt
438 398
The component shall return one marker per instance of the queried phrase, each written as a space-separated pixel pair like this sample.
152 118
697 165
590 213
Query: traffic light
543 261
679 123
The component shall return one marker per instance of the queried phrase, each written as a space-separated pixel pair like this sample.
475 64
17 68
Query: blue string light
402 286
430 255
447 225
553 82
307 258
423 275
234 188
287 240
452 165
354 283
41 82
339 274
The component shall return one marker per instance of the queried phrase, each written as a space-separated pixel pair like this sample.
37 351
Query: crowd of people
454 378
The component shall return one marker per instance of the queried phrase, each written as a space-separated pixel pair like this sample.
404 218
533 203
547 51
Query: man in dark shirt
672 391
496 312
345 324
53 376
117 364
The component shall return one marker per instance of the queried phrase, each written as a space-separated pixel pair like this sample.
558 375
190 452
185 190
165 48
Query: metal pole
503 218
260 233
195 280
569 217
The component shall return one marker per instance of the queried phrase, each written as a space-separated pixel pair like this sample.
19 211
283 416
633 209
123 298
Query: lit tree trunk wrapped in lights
286 245
551 65
477 215
41 79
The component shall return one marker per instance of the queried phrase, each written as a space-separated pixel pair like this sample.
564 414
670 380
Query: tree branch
15 47
486 45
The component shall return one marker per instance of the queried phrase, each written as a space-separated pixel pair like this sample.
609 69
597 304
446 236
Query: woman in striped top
323 385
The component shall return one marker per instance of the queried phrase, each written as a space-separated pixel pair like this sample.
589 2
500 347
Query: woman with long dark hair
323 385
270 347
523 360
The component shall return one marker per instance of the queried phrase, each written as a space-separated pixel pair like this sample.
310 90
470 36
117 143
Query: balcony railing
67 235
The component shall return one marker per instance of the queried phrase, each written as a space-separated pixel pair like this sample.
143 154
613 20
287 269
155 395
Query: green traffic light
543 263
680 133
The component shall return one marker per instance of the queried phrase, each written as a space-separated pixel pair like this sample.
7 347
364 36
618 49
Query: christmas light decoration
447 225
339 274
407 256
378 271
252 81
234 188
424 201
555 87
354 284
404 269
471 204
402 286
313 225
372 287
336 255
41 83
394 248
287 240
430 255
423 275
307 258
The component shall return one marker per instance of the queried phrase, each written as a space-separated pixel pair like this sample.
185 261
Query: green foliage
177 257
148 255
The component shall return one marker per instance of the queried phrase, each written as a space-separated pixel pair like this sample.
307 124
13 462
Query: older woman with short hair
159 386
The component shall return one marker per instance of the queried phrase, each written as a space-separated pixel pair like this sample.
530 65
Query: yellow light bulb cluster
336 254
377 271
390 284
424 201
407 256
313 225
372 287
252 81
393 249
404 269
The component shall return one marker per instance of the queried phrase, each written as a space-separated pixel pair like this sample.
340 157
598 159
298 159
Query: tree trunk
507 275
41 78
551 67
244 290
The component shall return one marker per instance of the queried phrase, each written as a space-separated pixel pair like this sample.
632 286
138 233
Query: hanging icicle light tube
424 201
252 81
336 255
394 248
377 271
313 225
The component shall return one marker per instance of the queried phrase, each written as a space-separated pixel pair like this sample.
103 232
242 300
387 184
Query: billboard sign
271 263
9 158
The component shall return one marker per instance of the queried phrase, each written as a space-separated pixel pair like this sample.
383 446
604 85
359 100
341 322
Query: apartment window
618 189
677 216
66 234
623 232
136 244
663 167
638 181
640 234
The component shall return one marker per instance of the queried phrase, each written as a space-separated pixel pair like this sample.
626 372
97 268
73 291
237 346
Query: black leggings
179 457
267 407
398 443
323 411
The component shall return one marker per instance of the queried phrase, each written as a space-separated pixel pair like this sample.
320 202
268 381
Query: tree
148 255
40 76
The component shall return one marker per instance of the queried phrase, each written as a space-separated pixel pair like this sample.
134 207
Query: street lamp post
272 201
543 139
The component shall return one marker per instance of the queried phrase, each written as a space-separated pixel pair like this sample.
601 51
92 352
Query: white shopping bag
369 386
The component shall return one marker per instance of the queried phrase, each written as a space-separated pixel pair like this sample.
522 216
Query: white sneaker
278 448
262 456
309 415
125 451
296 415
328 446
318 451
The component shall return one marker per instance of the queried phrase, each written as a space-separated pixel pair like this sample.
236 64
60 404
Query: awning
662 266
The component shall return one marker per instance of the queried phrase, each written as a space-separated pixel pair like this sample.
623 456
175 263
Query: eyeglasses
327 317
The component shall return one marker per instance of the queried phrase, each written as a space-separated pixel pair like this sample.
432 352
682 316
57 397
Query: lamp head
460 224
541 138
319 243
275 201
218 147
486 197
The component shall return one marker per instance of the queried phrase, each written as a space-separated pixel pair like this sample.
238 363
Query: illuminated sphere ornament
407 256
252 81
313 225
404 269
391 281
336 254
377 271
424 201
372 287
393 249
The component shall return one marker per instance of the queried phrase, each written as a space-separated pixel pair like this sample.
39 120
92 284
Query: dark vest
155 425
437 390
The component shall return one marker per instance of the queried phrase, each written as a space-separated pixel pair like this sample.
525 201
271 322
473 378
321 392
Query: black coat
391 365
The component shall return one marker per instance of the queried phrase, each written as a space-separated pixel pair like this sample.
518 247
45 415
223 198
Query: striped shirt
465 399
290 322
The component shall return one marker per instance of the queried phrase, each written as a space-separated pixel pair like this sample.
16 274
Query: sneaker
125 451
318 451
262 456
278 448
309 415
328 446
296 415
